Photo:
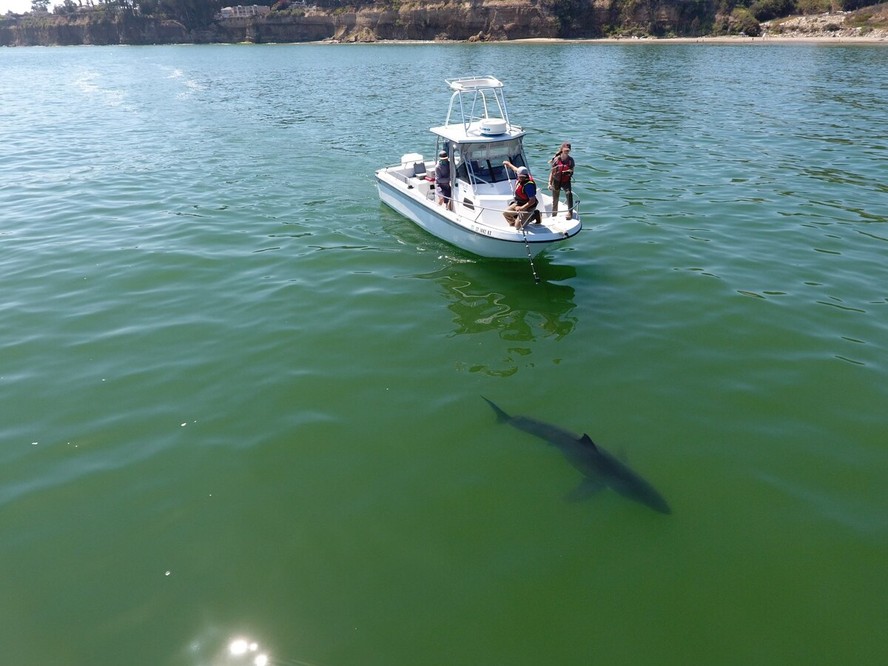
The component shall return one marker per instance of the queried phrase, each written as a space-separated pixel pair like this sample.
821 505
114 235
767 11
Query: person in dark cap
523 208
442 181
559 178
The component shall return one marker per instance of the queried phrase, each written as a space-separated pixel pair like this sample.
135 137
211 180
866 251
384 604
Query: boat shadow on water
498 296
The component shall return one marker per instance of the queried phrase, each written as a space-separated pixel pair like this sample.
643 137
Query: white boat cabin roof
475 134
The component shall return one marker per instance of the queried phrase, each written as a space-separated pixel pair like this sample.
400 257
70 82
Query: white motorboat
478 137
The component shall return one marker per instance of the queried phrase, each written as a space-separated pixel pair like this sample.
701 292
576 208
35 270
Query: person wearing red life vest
523 208
559 178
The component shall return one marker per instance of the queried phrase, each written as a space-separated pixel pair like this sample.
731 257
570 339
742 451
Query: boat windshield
483 162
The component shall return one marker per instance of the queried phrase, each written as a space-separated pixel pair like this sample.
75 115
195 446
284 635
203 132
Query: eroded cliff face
511 19
50 30
488 20
474 20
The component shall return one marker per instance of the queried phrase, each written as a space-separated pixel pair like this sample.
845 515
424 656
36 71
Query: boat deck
483 209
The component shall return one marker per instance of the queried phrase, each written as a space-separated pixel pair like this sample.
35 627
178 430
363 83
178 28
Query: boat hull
462 231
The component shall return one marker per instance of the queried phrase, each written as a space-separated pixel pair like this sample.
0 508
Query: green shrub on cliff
739 22
569 14
193 14
807 7
765 10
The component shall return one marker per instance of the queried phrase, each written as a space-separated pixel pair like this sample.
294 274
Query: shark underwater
600 468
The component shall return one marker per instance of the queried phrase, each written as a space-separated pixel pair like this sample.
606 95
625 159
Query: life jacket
520 197
562 171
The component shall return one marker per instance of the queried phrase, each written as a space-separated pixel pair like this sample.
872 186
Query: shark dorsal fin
586 440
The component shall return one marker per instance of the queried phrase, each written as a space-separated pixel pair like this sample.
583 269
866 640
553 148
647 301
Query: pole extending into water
536 278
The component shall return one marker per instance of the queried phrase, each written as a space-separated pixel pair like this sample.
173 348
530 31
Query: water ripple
236 386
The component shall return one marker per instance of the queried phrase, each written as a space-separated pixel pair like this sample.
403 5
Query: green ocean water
241 399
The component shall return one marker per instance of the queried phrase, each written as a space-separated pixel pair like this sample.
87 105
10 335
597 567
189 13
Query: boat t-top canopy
472 83
477 111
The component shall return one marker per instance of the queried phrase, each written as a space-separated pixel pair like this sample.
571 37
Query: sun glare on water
245 651
236 650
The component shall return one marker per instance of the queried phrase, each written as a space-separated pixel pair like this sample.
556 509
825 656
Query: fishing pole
536 278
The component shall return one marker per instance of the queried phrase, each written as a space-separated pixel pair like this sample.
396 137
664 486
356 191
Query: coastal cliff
491 20
498 20
90 29
475 20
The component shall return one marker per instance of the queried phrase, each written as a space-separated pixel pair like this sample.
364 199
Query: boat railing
479 212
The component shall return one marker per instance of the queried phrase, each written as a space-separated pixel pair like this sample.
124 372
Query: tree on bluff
193 14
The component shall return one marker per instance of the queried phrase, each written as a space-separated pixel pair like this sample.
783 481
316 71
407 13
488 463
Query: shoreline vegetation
136 22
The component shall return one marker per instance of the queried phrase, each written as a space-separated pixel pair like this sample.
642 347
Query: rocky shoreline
830 27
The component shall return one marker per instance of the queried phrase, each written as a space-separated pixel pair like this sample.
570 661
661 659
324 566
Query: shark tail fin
501 416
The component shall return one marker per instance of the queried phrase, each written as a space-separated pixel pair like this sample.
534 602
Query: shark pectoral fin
585 490
501 416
